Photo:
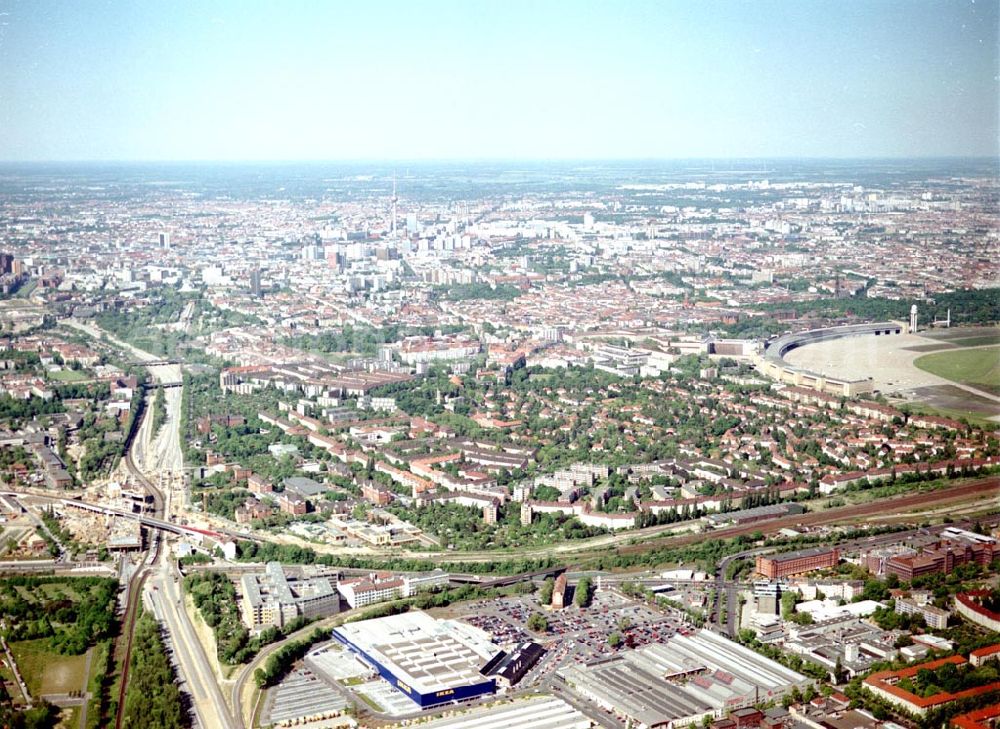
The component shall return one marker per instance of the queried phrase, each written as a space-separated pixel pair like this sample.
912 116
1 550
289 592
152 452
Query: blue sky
245 80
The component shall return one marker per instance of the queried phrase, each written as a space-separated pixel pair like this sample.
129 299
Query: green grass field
976 341
7 677
46 672
68 376
977 367
48 592
70 717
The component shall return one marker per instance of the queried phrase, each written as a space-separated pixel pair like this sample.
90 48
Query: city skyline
234 82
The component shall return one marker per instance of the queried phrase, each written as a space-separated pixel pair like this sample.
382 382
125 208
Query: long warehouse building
431 661
686 680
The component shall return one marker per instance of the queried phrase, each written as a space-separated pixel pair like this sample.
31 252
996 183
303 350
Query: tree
153 698
545 594
839 674
583 593
538 623
875 590
788 601
615 639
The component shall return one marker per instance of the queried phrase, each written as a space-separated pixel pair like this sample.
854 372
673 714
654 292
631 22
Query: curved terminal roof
781 346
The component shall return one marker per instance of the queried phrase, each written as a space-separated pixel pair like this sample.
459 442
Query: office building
271 599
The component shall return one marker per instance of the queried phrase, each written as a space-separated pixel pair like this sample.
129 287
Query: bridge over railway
506 580
146 521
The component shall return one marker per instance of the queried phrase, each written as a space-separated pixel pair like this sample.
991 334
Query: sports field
979 368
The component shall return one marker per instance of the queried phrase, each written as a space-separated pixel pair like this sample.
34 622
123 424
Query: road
962 492
164 593
242 684
731 590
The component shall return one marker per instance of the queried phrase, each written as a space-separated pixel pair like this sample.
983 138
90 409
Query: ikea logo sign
446 692
404 687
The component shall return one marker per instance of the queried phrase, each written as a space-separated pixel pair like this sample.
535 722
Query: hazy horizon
231 81
502 160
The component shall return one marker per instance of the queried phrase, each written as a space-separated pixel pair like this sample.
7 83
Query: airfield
893 364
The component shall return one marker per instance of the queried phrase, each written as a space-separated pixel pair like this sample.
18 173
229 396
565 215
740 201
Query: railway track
983 486
138 578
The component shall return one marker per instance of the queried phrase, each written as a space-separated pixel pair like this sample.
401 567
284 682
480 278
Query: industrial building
758 513
543 712
618 684
682 681
430 661
509 668
775 566
853 643
124 535
270 599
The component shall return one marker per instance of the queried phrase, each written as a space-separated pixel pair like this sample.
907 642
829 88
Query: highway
163 592
162 587
133 588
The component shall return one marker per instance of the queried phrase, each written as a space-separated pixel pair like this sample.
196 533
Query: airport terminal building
431 661
773 363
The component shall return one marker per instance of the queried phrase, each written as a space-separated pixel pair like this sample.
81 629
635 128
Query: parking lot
575 635
301 694
502 630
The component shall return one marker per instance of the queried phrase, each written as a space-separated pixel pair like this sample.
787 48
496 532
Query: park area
46 672
53 624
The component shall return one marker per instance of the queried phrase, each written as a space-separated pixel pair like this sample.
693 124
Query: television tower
394 201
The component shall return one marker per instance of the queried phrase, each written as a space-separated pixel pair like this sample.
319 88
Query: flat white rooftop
425 653
544 712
